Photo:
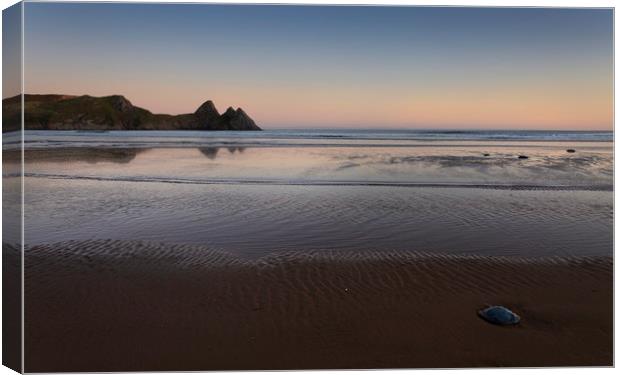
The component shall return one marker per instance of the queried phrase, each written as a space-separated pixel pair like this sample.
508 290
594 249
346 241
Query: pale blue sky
333 66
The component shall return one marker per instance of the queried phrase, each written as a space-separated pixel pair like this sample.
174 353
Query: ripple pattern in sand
299 278
253 221
153 306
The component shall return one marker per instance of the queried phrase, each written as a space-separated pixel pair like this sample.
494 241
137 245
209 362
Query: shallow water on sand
455 164
253 221
255 201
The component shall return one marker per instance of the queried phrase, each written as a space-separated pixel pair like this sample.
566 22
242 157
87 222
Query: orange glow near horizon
510 108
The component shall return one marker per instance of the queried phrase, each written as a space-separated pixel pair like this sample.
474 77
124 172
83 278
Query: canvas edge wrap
12 192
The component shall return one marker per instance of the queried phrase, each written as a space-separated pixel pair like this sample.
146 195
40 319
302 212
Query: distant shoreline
41 139
361 130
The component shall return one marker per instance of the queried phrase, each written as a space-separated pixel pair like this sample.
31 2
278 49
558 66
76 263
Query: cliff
66 112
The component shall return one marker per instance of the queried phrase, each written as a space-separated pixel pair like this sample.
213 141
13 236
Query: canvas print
193 187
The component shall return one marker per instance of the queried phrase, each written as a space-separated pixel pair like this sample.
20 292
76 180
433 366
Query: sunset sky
317 66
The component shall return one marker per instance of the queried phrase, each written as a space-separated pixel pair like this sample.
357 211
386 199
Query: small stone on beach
499 315
523 157
485 154
570 150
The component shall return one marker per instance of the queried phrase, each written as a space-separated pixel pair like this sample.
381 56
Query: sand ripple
125 305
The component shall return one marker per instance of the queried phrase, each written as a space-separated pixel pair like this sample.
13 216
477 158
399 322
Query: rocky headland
67 112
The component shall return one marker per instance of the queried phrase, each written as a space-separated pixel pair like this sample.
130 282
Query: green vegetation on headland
66 112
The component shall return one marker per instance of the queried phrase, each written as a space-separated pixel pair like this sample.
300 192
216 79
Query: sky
318 66
11 50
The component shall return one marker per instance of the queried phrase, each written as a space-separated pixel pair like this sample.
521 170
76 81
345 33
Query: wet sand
128 306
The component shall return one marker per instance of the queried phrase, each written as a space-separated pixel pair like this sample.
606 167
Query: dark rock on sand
499 315
570 151
115 112
485 154
523 157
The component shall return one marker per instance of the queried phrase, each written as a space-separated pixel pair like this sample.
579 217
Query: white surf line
321 183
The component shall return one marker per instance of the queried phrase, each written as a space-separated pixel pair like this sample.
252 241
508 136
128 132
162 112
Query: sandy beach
347 255
127 306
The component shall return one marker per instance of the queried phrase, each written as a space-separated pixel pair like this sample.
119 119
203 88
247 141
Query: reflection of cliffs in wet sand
66 112
96 155
211 152
170 307
73 154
